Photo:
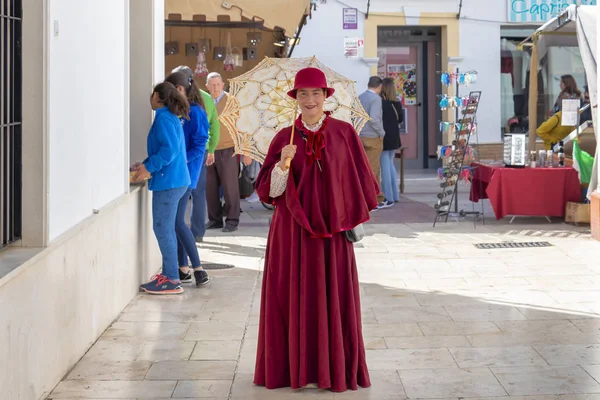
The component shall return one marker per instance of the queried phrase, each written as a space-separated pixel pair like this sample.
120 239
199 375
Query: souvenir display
458 154
463 78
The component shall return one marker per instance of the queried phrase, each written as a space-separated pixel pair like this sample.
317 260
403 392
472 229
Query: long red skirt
310 323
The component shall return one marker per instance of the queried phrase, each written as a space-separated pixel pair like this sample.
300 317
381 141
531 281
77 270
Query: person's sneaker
185 277
162 285
199 239
230 228
385 204
201 277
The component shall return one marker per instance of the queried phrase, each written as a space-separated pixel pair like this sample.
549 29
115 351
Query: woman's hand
134 166
247 160
288 152
142 174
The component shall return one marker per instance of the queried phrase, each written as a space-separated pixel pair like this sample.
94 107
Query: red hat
310 78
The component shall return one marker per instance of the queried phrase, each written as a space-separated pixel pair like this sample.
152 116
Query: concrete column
147 41
35 127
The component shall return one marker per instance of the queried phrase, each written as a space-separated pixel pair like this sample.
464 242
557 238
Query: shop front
414 56
230 38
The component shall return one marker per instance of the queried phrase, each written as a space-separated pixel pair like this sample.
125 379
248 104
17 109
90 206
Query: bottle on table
561 154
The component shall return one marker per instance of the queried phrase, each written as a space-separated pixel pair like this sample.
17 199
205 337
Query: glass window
515 77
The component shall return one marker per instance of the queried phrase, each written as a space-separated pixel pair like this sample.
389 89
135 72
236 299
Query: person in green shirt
198 217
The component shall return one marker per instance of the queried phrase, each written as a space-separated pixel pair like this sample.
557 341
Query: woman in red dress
310 324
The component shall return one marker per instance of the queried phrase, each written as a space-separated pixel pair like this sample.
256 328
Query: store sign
540 10
353 47
350 18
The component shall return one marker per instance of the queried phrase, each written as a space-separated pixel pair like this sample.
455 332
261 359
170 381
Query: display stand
454 157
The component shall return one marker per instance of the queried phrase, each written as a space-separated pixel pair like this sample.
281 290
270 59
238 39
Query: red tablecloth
525 191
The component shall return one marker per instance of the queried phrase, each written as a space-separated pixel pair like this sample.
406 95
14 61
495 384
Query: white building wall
480 26
480 51
88 129
98 264
147 68
323 37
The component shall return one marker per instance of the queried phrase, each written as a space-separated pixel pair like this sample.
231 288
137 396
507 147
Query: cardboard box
595 215
578 213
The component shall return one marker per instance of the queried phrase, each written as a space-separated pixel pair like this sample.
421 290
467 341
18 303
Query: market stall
539 192
540 183
574 27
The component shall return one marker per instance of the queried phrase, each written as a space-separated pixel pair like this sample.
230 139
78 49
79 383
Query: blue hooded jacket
166 152
195 131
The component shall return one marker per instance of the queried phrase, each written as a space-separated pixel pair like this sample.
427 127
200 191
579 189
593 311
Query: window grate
217 266
10 120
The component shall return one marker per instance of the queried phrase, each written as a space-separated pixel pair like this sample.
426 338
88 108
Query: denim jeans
164 211
186 245
198 217
389 176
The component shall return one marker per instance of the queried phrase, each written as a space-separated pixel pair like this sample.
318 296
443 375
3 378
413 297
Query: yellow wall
450 37
447 21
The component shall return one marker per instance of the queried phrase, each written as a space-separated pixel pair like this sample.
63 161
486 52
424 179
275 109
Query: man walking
225 170
372 133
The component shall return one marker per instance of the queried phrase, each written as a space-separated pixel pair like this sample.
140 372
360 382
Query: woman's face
562 85
155 102
311 101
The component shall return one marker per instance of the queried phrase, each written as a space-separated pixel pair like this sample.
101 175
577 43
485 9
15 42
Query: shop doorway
411 55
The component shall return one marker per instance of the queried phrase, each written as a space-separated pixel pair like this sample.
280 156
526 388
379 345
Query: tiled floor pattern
442 320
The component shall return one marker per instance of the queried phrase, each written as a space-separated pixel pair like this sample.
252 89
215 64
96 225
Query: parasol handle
288 161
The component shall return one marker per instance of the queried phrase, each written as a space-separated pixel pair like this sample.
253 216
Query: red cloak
310 323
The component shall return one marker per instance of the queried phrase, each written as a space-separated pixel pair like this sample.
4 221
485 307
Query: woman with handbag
310 330
392 116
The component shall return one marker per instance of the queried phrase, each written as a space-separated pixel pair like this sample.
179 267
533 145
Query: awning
560 31
285 14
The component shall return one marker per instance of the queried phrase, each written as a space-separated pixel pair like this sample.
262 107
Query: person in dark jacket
392 117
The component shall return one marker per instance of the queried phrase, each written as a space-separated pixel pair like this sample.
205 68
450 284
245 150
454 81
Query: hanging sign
350 18
570 112
353 47
405 78
540 10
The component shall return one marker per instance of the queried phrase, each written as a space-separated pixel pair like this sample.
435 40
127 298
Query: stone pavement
442 319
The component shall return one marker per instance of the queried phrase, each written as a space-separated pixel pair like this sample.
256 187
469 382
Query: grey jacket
371 102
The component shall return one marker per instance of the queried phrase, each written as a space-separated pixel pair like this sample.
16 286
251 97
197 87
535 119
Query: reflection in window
515 77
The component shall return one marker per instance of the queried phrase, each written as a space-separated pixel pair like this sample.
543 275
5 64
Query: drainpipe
297 36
